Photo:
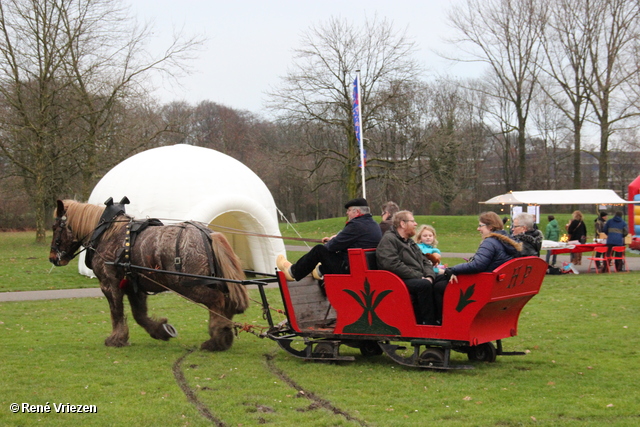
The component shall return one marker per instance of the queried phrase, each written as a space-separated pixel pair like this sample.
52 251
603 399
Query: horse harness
111 212
133 229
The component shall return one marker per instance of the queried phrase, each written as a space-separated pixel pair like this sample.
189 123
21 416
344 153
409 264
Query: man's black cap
356 202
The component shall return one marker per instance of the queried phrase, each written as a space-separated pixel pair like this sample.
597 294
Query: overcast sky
250 42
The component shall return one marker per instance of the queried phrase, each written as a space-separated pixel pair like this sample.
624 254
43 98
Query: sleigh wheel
325 350
483 353
370 348
431 357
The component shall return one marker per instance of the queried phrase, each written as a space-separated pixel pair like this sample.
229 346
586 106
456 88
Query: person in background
552 232
578 232
600 221
427 241
505 223
616 230
361 231
388 210
523 230
399 254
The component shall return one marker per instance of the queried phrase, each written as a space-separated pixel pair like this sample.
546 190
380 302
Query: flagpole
360 135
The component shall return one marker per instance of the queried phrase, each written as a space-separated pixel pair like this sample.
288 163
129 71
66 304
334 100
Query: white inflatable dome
182 182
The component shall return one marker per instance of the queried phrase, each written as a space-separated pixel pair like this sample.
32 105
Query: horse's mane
83 219
231 269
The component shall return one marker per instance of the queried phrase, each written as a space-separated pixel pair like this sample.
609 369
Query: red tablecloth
587 247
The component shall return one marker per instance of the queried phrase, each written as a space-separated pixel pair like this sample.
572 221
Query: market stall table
587 247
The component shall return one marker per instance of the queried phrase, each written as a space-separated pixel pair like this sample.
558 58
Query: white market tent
182 182
558 197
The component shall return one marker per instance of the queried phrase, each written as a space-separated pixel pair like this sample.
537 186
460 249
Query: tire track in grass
318 402
190 393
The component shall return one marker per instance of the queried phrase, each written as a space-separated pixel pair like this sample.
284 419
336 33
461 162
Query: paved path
54 294
632 262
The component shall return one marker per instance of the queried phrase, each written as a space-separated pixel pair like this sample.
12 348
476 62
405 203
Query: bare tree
566 46
70 71
505 34
612 70
553 146
318 88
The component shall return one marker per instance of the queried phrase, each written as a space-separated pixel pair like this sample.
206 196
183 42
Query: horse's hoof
113 342
212 345
221 342
170 330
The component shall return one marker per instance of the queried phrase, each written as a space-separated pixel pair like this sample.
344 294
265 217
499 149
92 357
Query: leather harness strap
111 211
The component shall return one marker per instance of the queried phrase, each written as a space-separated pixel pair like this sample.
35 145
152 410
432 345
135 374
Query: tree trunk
603 172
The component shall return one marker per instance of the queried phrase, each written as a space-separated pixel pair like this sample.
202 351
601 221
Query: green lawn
581 334
582 368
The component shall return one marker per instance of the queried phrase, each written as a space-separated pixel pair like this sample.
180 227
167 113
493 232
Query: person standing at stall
552 232
616 230
577 231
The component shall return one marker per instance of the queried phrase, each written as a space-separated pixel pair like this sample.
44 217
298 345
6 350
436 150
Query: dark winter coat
531 242
577 229
360 232
402 257
616 230
494 251
386 225
599 226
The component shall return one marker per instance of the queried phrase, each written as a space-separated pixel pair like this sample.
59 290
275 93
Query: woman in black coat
577 231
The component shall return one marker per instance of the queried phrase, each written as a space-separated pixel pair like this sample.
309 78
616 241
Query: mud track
317 402
190 393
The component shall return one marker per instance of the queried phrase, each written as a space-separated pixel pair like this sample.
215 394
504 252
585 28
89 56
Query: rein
248 233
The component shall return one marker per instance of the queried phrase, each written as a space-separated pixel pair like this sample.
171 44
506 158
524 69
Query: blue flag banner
357 121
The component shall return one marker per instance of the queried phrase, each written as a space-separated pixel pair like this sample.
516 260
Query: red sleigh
371 309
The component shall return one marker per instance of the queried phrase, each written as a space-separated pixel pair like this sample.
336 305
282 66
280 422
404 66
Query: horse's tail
231 269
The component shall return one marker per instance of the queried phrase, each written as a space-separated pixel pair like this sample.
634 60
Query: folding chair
619 258
599 256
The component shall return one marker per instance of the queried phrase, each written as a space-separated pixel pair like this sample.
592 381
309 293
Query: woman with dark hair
577 231
495 249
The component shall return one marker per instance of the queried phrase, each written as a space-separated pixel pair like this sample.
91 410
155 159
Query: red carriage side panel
485 307
369 302
479 308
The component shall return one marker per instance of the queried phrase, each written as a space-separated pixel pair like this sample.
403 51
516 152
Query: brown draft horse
155 247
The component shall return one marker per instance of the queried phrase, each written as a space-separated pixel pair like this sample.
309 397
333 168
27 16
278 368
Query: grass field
582 368
581 334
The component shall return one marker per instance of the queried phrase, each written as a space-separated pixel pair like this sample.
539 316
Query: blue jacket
616 230
494 251
360 232
428 249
